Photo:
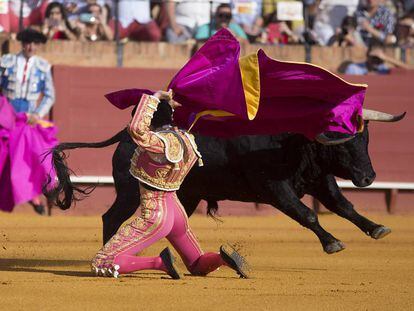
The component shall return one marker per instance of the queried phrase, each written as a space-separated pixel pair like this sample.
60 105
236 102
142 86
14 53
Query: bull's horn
325 140
373 115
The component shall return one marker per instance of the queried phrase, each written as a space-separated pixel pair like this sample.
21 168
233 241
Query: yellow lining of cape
214 113
249 70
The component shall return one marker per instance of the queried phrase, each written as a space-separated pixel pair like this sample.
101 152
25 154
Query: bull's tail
212 208
63 193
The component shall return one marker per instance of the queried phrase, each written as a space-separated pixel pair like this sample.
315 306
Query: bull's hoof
380 232
334 247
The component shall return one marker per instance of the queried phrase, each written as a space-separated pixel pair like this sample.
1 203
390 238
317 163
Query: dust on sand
44 265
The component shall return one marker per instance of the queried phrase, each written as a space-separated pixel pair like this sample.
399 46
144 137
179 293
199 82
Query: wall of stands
83 114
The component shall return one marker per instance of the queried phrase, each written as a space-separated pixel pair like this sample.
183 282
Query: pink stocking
206 263
130 263
185 242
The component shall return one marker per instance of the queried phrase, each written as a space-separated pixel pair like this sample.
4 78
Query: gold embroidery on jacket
174 145
139 127
156 181
162 172
180 147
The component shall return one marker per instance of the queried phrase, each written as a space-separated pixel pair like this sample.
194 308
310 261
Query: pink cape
24 169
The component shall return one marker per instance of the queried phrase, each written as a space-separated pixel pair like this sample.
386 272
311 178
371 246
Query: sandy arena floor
44 265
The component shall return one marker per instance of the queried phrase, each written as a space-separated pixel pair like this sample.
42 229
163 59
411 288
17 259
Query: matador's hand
163 95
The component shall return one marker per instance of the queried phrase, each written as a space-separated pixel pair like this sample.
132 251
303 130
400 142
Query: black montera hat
30 35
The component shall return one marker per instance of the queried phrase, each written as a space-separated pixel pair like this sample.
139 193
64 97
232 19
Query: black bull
276 170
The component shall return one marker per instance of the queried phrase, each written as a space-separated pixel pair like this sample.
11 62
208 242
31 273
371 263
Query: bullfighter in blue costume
25 76
26 82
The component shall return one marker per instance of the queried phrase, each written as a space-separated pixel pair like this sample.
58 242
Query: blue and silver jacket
40 82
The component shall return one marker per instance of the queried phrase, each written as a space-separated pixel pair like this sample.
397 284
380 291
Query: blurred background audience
322 22
338 23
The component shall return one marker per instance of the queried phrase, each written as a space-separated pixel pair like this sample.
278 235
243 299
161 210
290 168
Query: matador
163 157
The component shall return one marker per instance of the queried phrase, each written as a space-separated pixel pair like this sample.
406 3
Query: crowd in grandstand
323 22
369 24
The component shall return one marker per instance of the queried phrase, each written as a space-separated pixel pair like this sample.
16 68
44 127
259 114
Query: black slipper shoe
234 260
38 208
168 260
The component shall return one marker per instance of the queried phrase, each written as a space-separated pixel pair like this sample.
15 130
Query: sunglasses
225 16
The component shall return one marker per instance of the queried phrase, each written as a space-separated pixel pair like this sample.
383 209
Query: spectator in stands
278 32
406 6
56 25
94 24
248 14
377 62
135 21
296 27
105 5
32 14
376 22
71 8
222 19
185 16
26 79
159 15
347 35
405 30
329 17
75 8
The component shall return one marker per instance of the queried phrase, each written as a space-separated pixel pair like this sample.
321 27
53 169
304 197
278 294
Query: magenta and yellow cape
223 94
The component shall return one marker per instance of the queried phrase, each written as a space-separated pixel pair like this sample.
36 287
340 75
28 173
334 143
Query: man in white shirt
135 21
185 16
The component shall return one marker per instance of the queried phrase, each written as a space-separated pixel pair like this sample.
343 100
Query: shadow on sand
41 265
44 265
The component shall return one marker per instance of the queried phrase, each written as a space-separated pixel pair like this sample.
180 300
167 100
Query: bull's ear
333 138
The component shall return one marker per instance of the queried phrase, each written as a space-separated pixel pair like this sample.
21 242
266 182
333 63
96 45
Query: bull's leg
284 198
331 197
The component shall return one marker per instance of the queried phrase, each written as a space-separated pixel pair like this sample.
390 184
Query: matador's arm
139 128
